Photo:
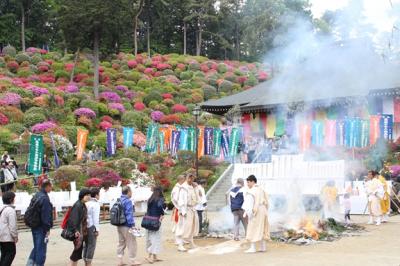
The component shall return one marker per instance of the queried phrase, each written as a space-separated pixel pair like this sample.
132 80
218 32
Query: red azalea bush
107 119
139 106
103 125
142 167
165 183
3 119
167 96
94 182
179 108
59 100
132 64
13 66
170 119
105 174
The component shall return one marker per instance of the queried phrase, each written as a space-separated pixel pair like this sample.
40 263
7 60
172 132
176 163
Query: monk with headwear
256 209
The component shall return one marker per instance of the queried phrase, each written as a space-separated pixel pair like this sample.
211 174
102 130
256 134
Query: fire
309 228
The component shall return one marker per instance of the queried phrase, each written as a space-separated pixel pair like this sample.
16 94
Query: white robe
188 223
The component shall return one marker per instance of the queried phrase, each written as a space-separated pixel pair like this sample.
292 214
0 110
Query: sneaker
251 250
182 249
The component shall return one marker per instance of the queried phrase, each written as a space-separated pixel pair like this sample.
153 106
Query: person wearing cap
77 223
256 208
236 199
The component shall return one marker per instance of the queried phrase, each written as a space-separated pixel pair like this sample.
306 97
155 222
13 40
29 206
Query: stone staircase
216 195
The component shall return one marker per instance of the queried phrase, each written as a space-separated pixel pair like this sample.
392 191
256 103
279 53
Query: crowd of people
8 172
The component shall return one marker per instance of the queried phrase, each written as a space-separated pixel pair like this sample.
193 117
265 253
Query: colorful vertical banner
234 142
263 122
255 123
183 142
317 133
330 133
271 126
365 133
208 141
386 126
351 132
161 141
53 145
151 138
225 142
128 133
304 137
191 139
340 140
111 141
175 138
200 141
82 136
35 154
374 129
246 123
217 142
280 125
396 109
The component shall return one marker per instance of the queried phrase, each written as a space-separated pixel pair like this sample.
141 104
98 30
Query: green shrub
90 104
36 110
71 132
103 109
186 75
72 103
133 76
36 59
124 167
222 68
22 58
144 83
225 86
152 96
61 74
213 123
66 174
100 140
24 72
33 118
194 66
21 92
209 92
135 119
9 50
251 81
16 128
2 62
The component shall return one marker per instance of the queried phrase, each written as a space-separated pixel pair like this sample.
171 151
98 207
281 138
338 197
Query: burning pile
309 232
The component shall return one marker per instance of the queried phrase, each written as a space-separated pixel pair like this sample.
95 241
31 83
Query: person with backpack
126 229
77 224
236 201
39 217
8 229
152 222
93 226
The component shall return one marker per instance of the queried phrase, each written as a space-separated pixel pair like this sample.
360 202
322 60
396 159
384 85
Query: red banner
246 124
396 104
304 137
374 130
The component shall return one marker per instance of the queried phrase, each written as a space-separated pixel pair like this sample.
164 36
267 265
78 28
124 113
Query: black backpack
117 214
32 215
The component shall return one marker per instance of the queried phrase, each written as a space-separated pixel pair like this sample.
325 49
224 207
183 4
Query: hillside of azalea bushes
38 96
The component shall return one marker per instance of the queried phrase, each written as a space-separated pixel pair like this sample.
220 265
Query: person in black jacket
40 234
155 210
77 223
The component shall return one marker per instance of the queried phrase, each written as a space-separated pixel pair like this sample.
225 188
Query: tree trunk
184 38
199 41
237 42
23 27
71 79
96 64
148 41
135 48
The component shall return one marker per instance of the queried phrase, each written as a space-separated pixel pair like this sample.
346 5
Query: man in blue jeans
41 233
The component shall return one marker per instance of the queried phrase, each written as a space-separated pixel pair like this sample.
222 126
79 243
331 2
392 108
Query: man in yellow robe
385 201
256 209
375 193
328 197
188 221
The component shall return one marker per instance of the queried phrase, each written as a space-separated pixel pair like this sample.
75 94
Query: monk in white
174 198
188 221
256 209
375 193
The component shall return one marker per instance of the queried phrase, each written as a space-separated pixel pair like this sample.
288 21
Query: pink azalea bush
121 88
156 116
103 125
71 88
110 96
179 108
130 95
85 112
42 127
116 106
37 91
3 119
11 98
139 106
132 64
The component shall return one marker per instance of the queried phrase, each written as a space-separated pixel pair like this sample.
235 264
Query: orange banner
374 130
200 142
304 137
81 143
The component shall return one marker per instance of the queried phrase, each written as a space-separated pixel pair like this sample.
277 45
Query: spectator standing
125 235
41 233
201 206
8 229
93 226
46 164
155 211
236 201
77 223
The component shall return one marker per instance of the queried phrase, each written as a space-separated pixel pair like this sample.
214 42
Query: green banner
217 141
35 154
191 139
151 139
234 142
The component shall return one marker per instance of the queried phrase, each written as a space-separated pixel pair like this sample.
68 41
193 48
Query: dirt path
378 247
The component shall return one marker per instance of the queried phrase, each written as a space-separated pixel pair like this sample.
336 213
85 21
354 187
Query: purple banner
225 142
175 139
208 141
111 141
386 126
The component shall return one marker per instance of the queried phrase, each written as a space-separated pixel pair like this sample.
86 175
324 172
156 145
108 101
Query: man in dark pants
41 233
236 200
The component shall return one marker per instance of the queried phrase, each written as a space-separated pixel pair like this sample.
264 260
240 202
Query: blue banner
183 141
208 141
53 145
175 141
128 136
386 126
225 142
111 141
317 135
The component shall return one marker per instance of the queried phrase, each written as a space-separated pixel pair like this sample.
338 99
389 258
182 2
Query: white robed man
256 209
174 198
375 193
188 221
